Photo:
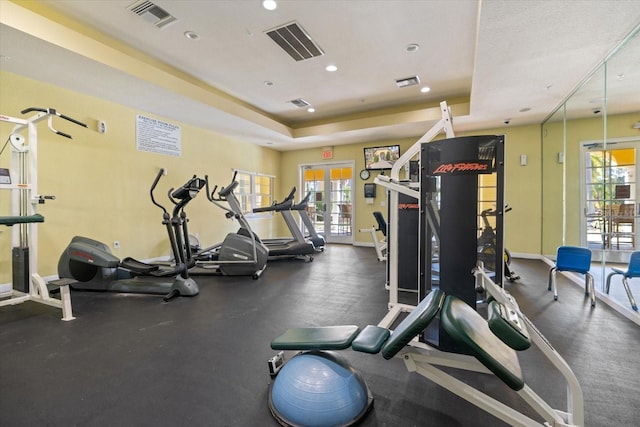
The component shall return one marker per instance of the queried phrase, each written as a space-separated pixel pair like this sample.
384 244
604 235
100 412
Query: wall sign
156 136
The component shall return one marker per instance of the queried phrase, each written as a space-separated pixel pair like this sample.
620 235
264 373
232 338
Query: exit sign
327 153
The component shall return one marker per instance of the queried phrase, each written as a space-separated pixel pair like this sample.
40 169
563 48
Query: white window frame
252 196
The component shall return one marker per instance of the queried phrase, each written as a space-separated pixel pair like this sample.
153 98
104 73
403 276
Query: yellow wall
101 182
522 187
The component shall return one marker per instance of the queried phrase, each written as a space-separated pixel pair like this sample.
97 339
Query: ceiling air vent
295 41
301 103
409 81
152 13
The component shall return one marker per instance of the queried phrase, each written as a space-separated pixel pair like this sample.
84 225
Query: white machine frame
395 186
380 245
24 201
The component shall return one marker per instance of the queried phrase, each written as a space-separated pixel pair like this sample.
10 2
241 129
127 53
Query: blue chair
632 271
577 260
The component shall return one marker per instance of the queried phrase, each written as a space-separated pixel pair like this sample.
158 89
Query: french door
331 202
611 198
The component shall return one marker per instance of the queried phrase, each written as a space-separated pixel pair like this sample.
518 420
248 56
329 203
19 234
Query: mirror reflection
591 160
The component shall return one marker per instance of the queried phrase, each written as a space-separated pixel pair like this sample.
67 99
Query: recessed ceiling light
268 83
191 35
425 89
620 77
270 4
413 47
525 109
311 110
331 68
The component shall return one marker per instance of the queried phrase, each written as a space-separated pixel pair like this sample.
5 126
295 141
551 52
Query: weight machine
454 178
397 189
22 180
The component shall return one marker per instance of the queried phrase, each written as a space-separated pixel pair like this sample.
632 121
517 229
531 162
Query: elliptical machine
240 254
95 268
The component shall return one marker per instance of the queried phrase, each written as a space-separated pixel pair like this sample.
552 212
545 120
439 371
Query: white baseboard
364 244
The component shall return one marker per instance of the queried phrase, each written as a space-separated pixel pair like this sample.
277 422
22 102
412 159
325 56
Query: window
254 190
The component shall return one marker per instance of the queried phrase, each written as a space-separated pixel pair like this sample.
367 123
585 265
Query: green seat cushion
413 324
371 339
468 328
318 338
12 220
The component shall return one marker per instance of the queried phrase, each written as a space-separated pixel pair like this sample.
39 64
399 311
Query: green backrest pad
414 323
318 338
467 327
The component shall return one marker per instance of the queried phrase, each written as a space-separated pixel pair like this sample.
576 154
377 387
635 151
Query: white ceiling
498 56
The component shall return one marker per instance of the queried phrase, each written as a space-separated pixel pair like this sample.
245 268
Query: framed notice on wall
157 136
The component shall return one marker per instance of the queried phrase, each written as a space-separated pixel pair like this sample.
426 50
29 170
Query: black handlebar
153 187
492 212
290 196
53 112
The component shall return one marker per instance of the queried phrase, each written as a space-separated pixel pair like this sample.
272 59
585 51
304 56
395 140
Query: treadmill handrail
302 204
276 207
286 204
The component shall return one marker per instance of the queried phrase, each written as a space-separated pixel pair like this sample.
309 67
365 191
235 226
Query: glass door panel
331 200
611 200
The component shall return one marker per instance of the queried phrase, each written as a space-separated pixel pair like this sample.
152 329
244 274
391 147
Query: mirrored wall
591 165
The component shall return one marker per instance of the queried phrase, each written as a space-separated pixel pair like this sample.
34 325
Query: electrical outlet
116 244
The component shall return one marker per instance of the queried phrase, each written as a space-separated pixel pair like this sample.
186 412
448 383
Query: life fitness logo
462 167
82 255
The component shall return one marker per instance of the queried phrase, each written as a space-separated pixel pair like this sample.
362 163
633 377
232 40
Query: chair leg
631 300
587 287
591 289
552 283
609 276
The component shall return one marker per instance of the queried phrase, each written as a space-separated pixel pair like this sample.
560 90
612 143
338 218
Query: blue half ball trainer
319 389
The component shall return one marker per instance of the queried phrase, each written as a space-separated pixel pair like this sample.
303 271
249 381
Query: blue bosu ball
318 389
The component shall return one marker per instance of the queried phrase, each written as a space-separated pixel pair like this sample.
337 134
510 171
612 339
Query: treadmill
297 247
316 239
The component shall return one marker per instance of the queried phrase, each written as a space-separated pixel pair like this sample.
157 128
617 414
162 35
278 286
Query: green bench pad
21 219
467 327
413 324
318 338
371 339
